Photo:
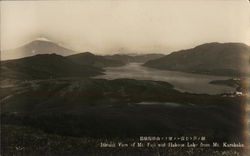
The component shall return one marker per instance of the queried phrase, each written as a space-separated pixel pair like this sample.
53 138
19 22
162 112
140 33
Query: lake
185 82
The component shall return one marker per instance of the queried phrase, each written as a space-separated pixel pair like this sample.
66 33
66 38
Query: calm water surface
185 82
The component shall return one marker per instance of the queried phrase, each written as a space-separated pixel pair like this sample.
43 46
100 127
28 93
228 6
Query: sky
128 26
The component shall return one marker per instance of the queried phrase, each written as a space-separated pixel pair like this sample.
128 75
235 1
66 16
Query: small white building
236 79
238 93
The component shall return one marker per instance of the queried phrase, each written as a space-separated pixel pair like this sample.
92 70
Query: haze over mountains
45 46
134 58
38 46
41 59
230 59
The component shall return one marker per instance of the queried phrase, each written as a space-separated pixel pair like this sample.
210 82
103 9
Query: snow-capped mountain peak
42 39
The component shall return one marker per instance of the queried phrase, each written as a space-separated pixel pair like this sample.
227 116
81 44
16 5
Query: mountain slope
230 59
35 47
88 58
44 66
120 57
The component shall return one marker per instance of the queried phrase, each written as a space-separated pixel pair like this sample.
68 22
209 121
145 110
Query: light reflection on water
186 82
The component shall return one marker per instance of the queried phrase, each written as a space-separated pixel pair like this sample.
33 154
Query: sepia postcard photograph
125 78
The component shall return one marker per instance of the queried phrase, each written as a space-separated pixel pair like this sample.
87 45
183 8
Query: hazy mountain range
41 60
135 58
231 59
44 46
38 46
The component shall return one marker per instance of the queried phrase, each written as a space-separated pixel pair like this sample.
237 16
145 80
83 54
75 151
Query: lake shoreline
183 82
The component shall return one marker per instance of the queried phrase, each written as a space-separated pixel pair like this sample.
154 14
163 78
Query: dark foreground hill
90 59
69 116
230 59
122 107
45 66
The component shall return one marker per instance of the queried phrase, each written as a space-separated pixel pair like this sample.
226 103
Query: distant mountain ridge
142 58
43 59
45 46
229 59
88 58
